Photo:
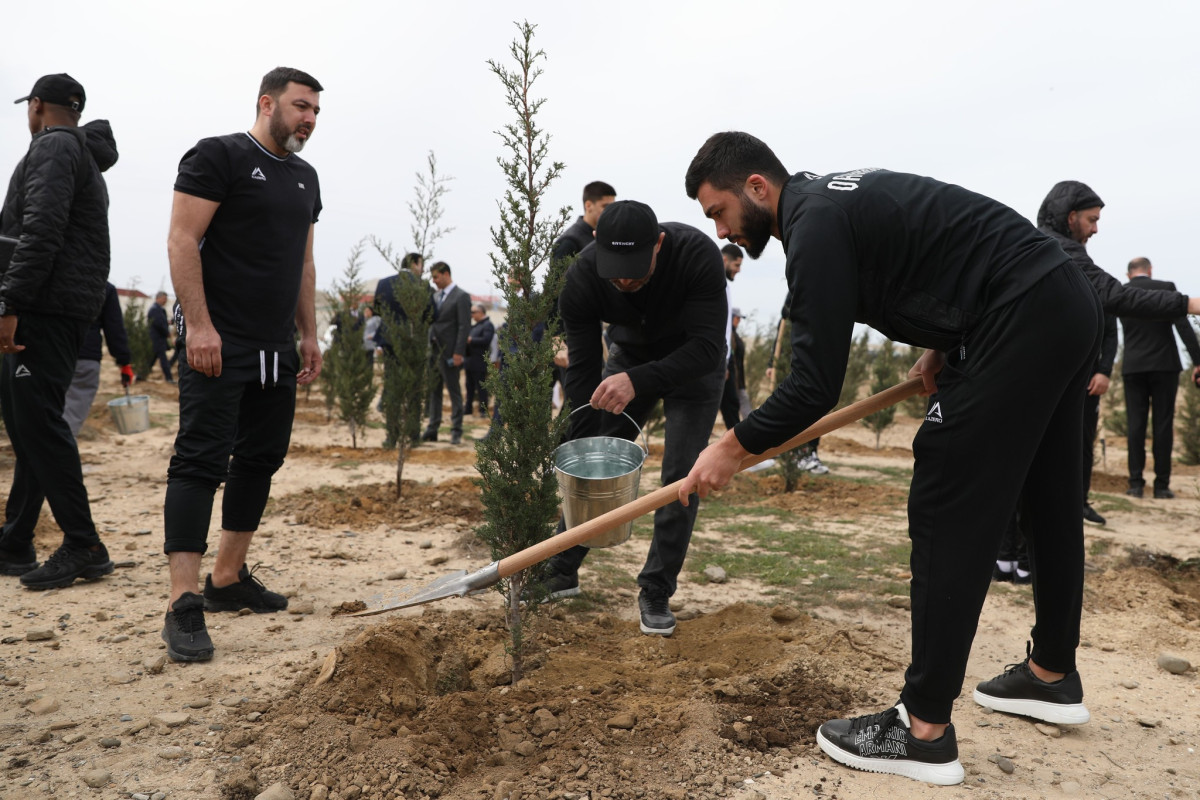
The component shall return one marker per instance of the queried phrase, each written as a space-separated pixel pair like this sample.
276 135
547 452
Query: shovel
460 583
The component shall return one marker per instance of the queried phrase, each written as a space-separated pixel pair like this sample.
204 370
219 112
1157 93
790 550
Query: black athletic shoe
1092 515
554 586
249 592
429 436
18 562
1000 575
184 631
1018 691
883 743
66 565
1022 577
1164 494
656 616
1134 491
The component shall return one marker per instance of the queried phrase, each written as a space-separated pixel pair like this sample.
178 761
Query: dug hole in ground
810 624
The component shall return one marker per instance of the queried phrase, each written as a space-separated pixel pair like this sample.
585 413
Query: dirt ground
417 703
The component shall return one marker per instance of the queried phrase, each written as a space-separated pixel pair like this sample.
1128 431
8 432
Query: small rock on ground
715 574
1176 665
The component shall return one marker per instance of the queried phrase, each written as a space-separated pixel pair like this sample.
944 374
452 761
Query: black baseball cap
57 89
625 237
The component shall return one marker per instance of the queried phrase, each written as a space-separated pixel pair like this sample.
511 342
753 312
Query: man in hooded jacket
50 293
1070 214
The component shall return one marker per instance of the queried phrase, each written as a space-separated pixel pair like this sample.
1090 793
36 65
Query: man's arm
306 317
1099 382
190 218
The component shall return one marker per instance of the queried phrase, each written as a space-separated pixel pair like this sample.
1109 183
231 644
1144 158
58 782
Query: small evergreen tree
858 367
406 366
352 375
760 348
789 462
426 208
516 460
884 372
137 331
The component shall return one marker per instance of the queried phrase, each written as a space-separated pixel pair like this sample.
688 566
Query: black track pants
235 428
1009 424
33 387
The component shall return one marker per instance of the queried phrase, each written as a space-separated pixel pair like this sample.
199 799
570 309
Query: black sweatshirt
674 325
919 260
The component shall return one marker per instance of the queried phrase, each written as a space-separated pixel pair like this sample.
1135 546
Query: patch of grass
1100 547
1112 502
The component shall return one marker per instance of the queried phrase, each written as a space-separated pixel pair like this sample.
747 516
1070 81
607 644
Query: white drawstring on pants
262 369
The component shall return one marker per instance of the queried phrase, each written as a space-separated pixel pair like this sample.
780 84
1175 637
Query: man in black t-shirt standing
241 253
661 289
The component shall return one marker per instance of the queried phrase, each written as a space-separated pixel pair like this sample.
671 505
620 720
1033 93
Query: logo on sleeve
257 174
301 185
22 372
935 413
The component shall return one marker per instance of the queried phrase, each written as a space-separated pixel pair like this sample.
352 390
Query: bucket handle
642 433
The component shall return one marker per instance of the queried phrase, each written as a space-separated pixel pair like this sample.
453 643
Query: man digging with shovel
974 282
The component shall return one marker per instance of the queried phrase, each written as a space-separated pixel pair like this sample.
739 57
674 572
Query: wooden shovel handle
666 494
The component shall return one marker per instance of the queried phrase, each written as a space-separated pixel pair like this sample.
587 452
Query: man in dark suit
448 334
160 334
479 343
1151 373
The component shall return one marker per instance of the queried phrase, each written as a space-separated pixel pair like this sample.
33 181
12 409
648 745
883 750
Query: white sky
1003 98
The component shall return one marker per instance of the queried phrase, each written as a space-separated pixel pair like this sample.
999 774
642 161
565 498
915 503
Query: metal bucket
597 474
131 414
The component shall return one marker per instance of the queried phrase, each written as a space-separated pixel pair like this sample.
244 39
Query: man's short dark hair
410 260
439 268
727 159
275 82
596 190
1139 264
732 252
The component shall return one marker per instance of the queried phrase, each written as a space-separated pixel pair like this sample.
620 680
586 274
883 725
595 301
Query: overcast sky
1003 98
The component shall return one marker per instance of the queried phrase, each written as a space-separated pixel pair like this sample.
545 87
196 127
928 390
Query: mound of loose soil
412 706
817 496
365 506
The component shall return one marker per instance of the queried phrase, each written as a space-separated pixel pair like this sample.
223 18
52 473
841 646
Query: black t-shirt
253 251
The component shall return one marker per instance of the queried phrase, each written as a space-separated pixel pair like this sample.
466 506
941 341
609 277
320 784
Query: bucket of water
131 414
597 474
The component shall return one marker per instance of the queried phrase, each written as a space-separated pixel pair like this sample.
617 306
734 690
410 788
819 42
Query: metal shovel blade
455 584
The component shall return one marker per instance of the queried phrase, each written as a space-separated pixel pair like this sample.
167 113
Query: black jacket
673 327
160 329
576 237
479 344
112 323
1116 297
57 206
1149 345
919 260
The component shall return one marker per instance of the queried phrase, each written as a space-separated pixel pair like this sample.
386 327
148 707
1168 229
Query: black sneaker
18 562
656 616
1164 494
1001 575
554 586
1018 691
1092 515
184 631
249 592
883 743
1134 491
67 564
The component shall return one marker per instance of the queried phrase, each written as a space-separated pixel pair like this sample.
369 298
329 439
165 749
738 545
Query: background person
479 343
160 334
51 291
1150 369
448 337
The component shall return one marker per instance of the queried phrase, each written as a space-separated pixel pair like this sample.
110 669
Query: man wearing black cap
241 252
661 289
944 268
51 291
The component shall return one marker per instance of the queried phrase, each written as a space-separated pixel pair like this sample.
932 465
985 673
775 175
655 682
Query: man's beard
287 140
756 227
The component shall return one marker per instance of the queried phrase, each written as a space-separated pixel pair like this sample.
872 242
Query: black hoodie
57 207
1117 298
